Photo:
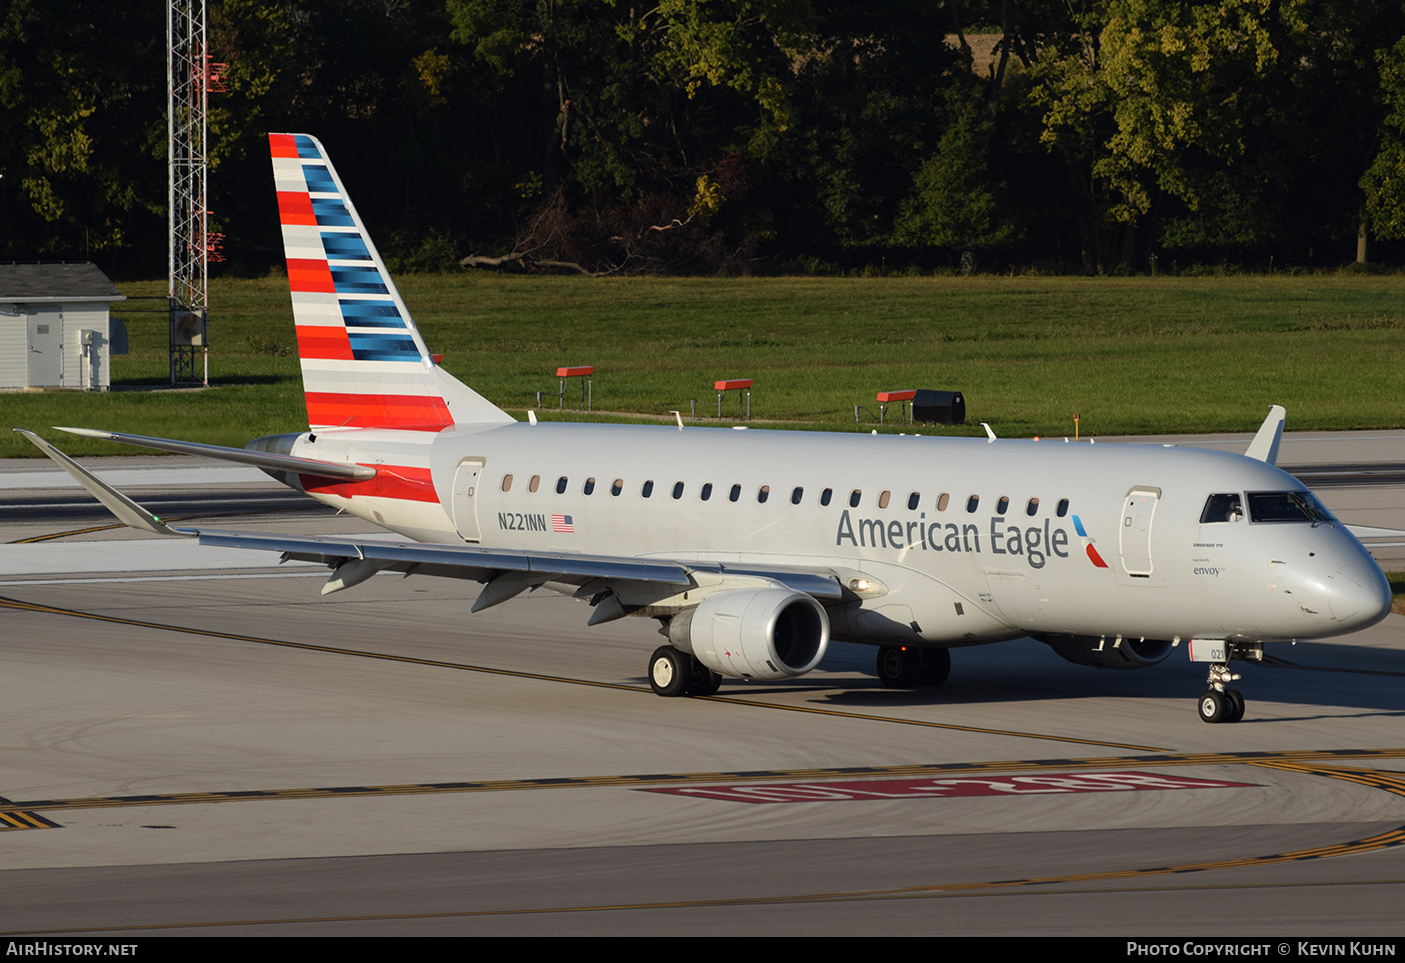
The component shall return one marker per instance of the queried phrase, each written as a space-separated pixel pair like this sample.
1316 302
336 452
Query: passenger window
735 493
648 488
589 488
1063 507
796 495
972 503
1032 508
763 494
677 490
507 483
854 497
1002 505
617 487
561 485
883 499
943 501
1222 508
826 495
912 501
534 483
707 491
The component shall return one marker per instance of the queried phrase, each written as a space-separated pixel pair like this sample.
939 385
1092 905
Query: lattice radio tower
191 77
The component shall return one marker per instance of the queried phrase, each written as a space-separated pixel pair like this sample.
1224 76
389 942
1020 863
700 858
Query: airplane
754 548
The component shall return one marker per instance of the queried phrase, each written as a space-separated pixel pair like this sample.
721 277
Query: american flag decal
562 523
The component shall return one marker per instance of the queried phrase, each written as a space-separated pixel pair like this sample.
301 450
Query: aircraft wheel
1234 710
668 671
1213 706
933 666
702 681
897 667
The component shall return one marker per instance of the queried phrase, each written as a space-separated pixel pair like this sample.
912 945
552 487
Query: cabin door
465 505
1138 510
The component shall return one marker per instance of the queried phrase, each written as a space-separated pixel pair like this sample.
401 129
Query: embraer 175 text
753 549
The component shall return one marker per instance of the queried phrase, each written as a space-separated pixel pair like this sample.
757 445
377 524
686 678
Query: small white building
56 330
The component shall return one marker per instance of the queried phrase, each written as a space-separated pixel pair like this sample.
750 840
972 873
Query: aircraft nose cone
1360 596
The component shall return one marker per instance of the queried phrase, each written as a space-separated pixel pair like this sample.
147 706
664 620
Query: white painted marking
173 478
141 555
108 580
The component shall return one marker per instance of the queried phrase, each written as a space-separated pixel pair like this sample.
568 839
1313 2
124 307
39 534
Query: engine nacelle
767 634
1108 653
278 445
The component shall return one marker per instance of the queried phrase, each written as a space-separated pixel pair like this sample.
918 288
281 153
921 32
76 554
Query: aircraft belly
917 607
421 521
1043 603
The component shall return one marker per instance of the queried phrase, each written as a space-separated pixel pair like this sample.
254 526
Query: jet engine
1108 653
768 634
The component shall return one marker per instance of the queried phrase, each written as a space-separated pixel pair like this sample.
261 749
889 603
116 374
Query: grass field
1131 356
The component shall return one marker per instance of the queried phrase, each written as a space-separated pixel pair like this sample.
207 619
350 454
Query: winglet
127 511
1264 447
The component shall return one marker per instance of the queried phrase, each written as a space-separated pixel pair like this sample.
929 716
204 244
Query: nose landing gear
1220 703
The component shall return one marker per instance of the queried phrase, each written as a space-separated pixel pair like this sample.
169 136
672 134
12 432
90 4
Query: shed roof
55 281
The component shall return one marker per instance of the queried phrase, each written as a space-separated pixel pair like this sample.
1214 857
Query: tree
1384 181
81 131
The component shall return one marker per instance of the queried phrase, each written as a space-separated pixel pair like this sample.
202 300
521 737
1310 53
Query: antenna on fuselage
990 435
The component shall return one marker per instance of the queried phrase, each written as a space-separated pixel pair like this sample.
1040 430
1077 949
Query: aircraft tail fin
1264 447
364 364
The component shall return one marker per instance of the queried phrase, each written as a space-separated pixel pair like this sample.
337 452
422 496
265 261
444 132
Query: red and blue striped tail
364 364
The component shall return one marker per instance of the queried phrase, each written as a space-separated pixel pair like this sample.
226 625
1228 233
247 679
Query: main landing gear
1221 703
902 667
673 672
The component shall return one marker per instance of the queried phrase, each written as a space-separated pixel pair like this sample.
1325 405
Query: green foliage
80 83
1178 75
955 203
1384 180
719 136
408 253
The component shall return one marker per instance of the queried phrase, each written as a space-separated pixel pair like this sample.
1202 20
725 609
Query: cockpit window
1222 508
1287 507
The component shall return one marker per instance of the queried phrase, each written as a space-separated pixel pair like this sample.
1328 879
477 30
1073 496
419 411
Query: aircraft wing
507 572
455 561
353 559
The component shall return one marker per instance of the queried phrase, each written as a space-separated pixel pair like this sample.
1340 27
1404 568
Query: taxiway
196 742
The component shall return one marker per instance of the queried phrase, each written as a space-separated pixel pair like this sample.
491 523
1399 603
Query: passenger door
1134 543
465 498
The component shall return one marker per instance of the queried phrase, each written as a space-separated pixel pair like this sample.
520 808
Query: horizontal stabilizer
259 459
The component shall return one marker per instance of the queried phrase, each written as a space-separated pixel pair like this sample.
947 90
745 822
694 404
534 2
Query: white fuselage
964 540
